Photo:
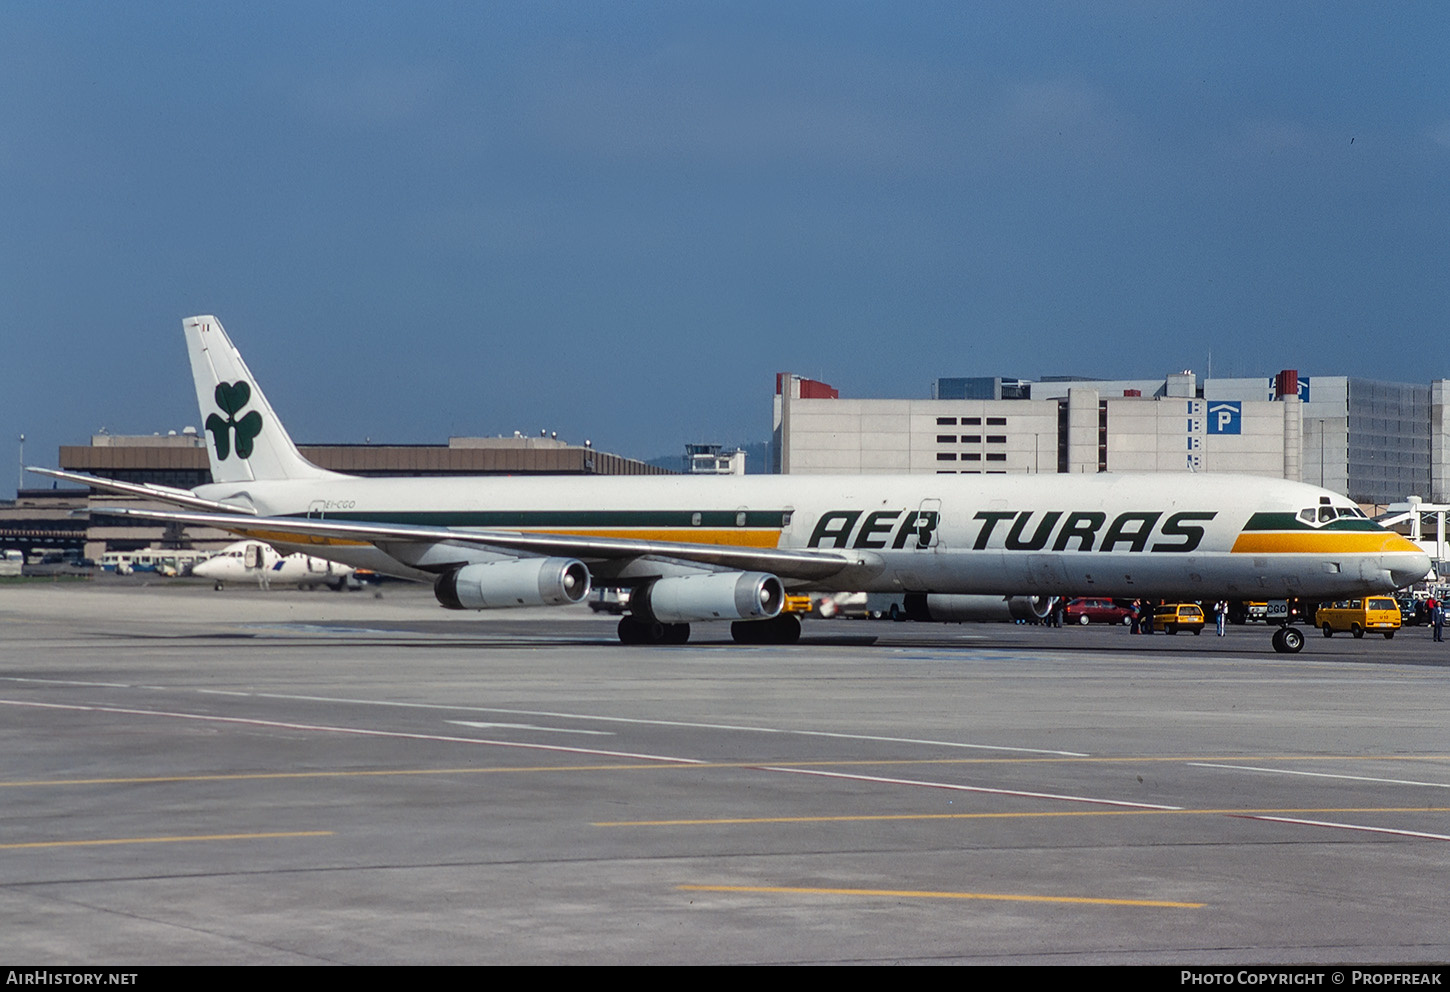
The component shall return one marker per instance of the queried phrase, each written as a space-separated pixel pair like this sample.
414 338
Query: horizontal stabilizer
145 490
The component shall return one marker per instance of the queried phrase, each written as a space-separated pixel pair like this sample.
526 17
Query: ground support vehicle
1377 614
1173 617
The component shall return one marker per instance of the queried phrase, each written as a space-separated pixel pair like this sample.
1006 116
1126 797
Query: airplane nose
1408 569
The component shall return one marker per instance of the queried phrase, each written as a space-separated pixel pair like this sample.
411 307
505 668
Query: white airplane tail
245 440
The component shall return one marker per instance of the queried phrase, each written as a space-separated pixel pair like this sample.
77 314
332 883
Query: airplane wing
787 563
164 494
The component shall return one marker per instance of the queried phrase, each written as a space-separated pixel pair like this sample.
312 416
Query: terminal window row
971 439
972 421
971 456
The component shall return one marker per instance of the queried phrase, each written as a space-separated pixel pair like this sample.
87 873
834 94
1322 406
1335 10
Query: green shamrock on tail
231 397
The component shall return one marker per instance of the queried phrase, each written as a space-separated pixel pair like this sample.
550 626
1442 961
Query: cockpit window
1327 514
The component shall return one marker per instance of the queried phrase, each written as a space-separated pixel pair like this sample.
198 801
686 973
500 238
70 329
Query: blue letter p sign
1225 417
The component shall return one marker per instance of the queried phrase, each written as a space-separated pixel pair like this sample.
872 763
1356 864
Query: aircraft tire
635 631
629 632
783 629
1287 640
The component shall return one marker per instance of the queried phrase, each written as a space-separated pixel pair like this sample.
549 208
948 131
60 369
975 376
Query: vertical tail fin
246 441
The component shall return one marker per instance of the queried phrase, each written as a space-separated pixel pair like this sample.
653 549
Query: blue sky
618 220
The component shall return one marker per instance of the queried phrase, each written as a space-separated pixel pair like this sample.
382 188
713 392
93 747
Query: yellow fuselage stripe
743 537
1322 543
1267 543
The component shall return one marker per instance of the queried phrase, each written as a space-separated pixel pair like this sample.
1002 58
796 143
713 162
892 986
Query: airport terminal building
45 519
1376 442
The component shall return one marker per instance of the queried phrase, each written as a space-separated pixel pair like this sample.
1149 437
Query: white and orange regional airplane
693 549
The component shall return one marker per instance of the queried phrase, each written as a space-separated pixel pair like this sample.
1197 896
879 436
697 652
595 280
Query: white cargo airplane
253 561
693 549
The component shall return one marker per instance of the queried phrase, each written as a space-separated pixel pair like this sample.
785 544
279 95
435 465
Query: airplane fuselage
1196 537
694 548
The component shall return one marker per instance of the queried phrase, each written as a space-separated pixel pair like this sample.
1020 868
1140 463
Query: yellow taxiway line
866 817
667 765
164 840
927 894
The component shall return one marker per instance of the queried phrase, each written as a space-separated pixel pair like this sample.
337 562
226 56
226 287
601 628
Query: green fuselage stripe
570 519
1291 522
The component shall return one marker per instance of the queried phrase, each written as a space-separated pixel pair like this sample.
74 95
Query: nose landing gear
1288 640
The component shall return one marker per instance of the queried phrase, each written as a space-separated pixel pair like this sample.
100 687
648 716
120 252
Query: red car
1086 611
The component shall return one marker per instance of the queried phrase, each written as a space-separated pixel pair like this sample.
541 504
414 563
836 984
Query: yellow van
1380 614
1178 616
797 604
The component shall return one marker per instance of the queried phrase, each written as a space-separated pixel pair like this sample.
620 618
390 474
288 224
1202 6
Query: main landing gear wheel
782 629
636 631
1287 640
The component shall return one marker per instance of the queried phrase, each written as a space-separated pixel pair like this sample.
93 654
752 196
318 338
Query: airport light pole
20 474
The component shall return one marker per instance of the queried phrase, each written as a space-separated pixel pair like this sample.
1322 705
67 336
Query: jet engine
718 596
955 609
524 582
